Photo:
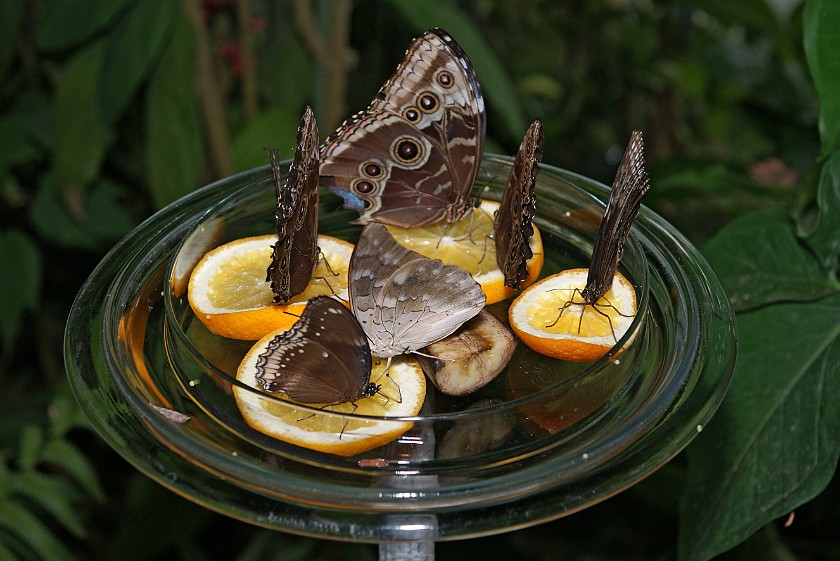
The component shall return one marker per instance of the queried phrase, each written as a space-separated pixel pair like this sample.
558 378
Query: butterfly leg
377 388
568 304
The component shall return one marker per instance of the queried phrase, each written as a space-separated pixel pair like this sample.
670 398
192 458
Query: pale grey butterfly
403 300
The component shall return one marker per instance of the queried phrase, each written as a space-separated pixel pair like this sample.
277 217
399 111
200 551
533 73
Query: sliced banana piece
471 357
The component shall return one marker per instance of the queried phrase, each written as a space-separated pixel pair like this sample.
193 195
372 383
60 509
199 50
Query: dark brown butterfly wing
323 358
412 156
512 228
403 300
630 184
295 255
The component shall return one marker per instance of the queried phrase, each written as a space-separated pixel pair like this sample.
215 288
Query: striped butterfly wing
512 226
630 184
295 254
411 157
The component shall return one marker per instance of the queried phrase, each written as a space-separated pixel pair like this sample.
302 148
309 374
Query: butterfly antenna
432 356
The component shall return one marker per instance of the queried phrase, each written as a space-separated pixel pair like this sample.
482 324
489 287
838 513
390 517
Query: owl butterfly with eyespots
411 157
295 255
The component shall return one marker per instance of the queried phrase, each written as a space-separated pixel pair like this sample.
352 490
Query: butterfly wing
323 358
401 298
630 184
422 302
432 119
295 255
512 228
375 258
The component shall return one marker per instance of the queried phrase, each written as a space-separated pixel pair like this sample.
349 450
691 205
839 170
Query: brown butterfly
630 184
323 358
411 157
295 255
512 228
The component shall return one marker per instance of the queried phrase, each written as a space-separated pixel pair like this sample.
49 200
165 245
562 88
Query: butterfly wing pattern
512 227
295 255
403 300
323 358
630 184
411 157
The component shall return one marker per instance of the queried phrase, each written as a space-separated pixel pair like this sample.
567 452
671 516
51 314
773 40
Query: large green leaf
496 85
822 37
174 145
774 442
66 23
20 283
133 44
81 137
760 261
823 238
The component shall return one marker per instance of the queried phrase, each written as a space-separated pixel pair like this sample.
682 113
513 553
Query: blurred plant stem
250 99
210 95
334 57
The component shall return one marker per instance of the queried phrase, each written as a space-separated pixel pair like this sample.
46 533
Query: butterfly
403 300
411 157
295 254
630 184
323 358
512 228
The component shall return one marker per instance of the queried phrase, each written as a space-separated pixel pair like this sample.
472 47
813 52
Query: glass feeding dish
545 439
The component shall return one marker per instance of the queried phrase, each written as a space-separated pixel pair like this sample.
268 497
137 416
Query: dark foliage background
109 109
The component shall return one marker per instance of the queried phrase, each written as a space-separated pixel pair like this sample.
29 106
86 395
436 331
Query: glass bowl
545 439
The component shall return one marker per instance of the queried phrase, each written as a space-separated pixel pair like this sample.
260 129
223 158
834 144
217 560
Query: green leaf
108 216
61 453
81 137
774 442
20 522
66 23
275 128
11 17
5 553
823 238
52 495
20 283
105 216
34 114
174 144
133 45
821 22
760 261
496 85
16 146
31 442
285 71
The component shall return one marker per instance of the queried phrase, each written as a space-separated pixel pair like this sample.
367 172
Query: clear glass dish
555 437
